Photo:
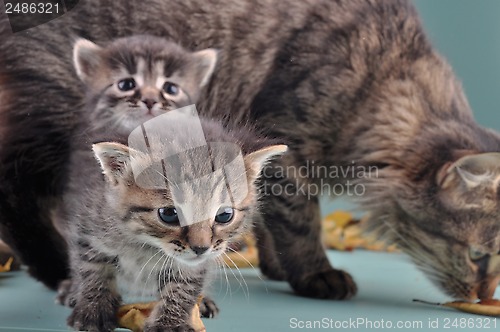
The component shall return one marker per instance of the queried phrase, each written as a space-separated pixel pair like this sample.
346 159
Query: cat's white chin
196 261
192 261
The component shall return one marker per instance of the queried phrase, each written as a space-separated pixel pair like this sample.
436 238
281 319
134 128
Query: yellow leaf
132 316
7 265
486 307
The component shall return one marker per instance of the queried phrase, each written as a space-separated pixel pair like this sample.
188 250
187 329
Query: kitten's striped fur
117 237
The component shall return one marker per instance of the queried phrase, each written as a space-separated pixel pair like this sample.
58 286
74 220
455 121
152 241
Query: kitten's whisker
251 265
162 272
151 272
229 288
180 273
171 275
228 285
240 281
217 272
144 266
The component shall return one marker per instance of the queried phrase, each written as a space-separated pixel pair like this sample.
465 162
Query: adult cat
344 82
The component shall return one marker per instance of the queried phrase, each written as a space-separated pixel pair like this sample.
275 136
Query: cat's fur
343 81
118 238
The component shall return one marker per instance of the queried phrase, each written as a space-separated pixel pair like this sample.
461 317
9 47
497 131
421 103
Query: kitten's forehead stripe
123 59
150 50
174 65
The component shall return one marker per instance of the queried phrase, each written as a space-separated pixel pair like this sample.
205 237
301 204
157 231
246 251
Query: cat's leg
26 226
34 154
97 299
32 178
293 218
269 263
173 313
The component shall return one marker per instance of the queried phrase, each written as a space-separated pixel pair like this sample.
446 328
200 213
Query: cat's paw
208 308
92 318
158 327
331 284
66 294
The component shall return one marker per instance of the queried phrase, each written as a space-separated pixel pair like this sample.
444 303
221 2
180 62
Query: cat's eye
126 84
476 254
224 215
168 215
171 88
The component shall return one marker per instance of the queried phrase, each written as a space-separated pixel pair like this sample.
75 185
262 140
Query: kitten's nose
199 250
149 102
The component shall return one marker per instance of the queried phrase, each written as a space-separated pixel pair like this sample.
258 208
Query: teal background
467 33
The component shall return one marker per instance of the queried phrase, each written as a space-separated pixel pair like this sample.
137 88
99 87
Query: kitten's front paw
332 284
92 318
158 327
208 308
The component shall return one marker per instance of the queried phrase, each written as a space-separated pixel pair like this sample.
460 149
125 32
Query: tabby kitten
134 79
130 237
348 82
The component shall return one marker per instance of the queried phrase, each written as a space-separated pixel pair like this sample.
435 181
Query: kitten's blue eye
224 215
126 84
168 215
171 88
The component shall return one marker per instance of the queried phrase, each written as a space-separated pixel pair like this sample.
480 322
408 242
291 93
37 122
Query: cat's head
136 78
453 234
153 216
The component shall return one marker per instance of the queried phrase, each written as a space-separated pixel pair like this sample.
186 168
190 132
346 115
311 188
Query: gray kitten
349 82
136 78
126 237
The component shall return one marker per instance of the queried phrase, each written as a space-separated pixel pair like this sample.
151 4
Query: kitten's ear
87 60
114 159
470 171
205 62
255 161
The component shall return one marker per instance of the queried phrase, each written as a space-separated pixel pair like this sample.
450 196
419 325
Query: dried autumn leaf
6 267
341 231
486 307
133 316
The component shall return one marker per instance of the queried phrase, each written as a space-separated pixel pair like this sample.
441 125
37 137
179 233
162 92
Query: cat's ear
205 61
87 60
114 159
255 161
470 171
